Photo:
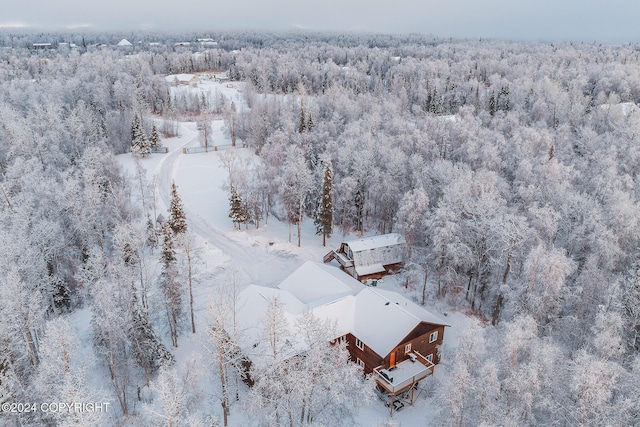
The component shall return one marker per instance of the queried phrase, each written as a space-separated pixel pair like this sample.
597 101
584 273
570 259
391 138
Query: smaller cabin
370 257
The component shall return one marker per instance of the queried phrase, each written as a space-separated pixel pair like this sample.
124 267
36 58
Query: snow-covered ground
258 256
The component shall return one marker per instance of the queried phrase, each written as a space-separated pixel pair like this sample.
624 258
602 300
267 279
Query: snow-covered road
199 178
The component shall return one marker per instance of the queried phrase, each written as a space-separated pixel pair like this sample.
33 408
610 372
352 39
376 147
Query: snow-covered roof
313 282
180 77
374 242
124 42
409 306
381 323
365 270
251 313
623 108
379 318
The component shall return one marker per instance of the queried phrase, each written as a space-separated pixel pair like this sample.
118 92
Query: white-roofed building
182 79
382 329
124 43
370 257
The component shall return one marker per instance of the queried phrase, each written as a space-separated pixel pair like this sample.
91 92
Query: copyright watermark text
54 407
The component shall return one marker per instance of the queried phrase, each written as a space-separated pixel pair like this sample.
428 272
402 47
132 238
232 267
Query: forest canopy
510 168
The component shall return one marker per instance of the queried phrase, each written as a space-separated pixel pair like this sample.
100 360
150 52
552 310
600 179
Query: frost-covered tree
228 362
320 386
178 398
545 273
148 348
177 218
324 210
631 310
139 142
154 140
170 283
295 184
238 211
412 218
111 320
65 374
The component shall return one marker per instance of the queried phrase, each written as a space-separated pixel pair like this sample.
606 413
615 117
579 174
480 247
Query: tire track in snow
256 264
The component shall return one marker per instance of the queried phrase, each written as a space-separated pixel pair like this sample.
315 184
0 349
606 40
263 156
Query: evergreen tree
152 238
139 142
168 256
170 284
302 125
155 136
324 213
147 346
310 123
239 211
177 217
504 102
492 104
359 206
235 207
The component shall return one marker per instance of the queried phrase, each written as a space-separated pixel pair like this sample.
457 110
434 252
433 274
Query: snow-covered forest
511 169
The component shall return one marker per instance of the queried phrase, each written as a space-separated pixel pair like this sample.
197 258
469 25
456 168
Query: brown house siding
370 358
419 340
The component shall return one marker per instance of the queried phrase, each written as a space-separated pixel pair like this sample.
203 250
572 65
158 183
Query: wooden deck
340 257
403 377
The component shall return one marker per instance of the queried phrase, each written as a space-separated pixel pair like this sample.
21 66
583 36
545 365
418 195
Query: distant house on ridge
124 43
43 46
182 79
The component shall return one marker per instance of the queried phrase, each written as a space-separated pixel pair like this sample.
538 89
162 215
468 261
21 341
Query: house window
430 358
433 336
407 348
359 344
360 362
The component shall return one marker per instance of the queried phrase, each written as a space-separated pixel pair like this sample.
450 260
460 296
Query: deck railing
396 385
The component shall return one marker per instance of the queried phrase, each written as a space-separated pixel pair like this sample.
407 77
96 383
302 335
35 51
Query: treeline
510 168
78 235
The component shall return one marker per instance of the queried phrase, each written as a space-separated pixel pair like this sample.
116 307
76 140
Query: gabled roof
313 283
382 319
374 242
124 42
185 78
379 318
251 313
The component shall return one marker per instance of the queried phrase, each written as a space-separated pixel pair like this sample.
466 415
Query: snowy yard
260 256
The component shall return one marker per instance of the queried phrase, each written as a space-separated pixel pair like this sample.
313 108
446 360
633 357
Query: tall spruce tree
324 212
238 211
139 142
147 346
302 125
177 217
170 283
155 137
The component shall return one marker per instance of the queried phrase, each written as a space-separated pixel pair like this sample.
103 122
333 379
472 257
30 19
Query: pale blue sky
610 21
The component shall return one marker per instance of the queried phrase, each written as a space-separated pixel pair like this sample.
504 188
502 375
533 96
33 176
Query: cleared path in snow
255 263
